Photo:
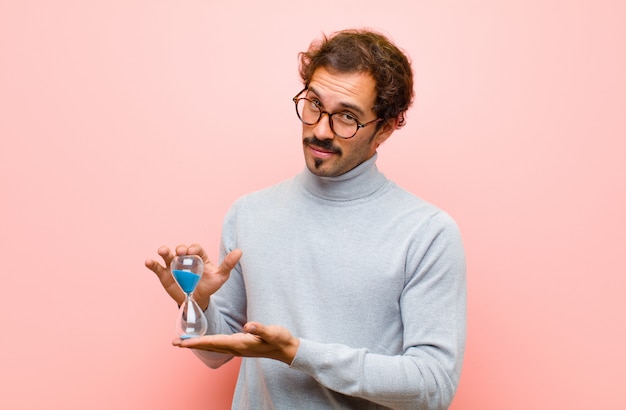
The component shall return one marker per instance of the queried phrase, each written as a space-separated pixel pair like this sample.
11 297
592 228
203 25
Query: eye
312 106
346 117
317 104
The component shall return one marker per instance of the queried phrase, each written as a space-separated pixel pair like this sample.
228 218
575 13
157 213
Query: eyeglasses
343 123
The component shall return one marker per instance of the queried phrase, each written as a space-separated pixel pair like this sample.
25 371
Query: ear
386 130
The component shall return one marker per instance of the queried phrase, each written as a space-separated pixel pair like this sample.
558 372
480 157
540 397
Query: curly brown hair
354 50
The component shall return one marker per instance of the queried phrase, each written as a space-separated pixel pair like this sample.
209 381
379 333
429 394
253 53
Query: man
339 289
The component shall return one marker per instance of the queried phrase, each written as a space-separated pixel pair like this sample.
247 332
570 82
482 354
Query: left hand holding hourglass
212 279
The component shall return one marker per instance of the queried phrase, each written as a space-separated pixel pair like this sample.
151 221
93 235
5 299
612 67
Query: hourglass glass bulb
187 270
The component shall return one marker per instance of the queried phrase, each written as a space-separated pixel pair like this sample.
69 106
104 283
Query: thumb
231 260
254 328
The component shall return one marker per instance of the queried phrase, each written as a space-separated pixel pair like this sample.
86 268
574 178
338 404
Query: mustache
326 145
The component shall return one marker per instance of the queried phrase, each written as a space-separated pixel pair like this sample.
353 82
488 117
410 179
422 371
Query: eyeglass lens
343 124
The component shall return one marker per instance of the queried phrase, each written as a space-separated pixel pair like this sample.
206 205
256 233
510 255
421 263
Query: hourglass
187 270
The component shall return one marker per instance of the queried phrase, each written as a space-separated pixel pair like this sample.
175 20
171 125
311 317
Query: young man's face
324 153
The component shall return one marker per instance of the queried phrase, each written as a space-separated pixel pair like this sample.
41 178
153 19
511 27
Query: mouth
320 149
320 152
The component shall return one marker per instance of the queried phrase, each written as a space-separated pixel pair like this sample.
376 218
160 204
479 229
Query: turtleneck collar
359 182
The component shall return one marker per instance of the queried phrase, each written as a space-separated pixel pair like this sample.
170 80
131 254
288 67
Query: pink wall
518 131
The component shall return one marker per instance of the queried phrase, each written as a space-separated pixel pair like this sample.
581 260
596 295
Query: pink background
518 131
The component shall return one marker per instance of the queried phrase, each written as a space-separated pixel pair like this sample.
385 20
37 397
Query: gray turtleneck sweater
368 276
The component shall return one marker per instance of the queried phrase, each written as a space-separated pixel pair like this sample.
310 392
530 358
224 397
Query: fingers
195 249
273 342
182 250
231 260
269 333
212 281
157 268
235 344
152 265
166 254
178 342
253 327
285 346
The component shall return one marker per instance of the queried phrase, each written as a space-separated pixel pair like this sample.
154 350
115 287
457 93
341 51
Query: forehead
333 87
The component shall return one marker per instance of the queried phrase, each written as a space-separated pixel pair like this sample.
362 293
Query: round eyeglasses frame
330 117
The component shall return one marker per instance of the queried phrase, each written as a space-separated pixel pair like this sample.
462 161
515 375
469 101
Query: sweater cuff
311 357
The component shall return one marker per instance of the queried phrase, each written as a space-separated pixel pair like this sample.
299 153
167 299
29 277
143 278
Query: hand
272 342
212 279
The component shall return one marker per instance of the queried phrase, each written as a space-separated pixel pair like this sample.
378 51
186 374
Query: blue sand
187 280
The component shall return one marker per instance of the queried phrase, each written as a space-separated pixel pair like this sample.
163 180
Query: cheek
365 150
307 130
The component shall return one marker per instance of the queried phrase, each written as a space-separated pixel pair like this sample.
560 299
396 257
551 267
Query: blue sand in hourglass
187 280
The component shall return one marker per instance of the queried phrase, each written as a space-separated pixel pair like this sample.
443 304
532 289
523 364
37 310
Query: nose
322 129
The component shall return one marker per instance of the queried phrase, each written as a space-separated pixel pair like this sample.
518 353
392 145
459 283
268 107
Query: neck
361 181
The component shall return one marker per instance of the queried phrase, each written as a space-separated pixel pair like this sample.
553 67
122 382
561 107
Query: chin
322 171
317 169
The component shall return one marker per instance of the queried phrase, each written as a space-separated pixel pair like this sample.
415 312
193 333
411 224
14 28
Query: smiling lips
321 148
320 152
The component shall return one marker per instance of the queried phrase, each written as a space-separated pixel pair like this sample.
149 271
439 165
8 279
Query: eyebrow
348 105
